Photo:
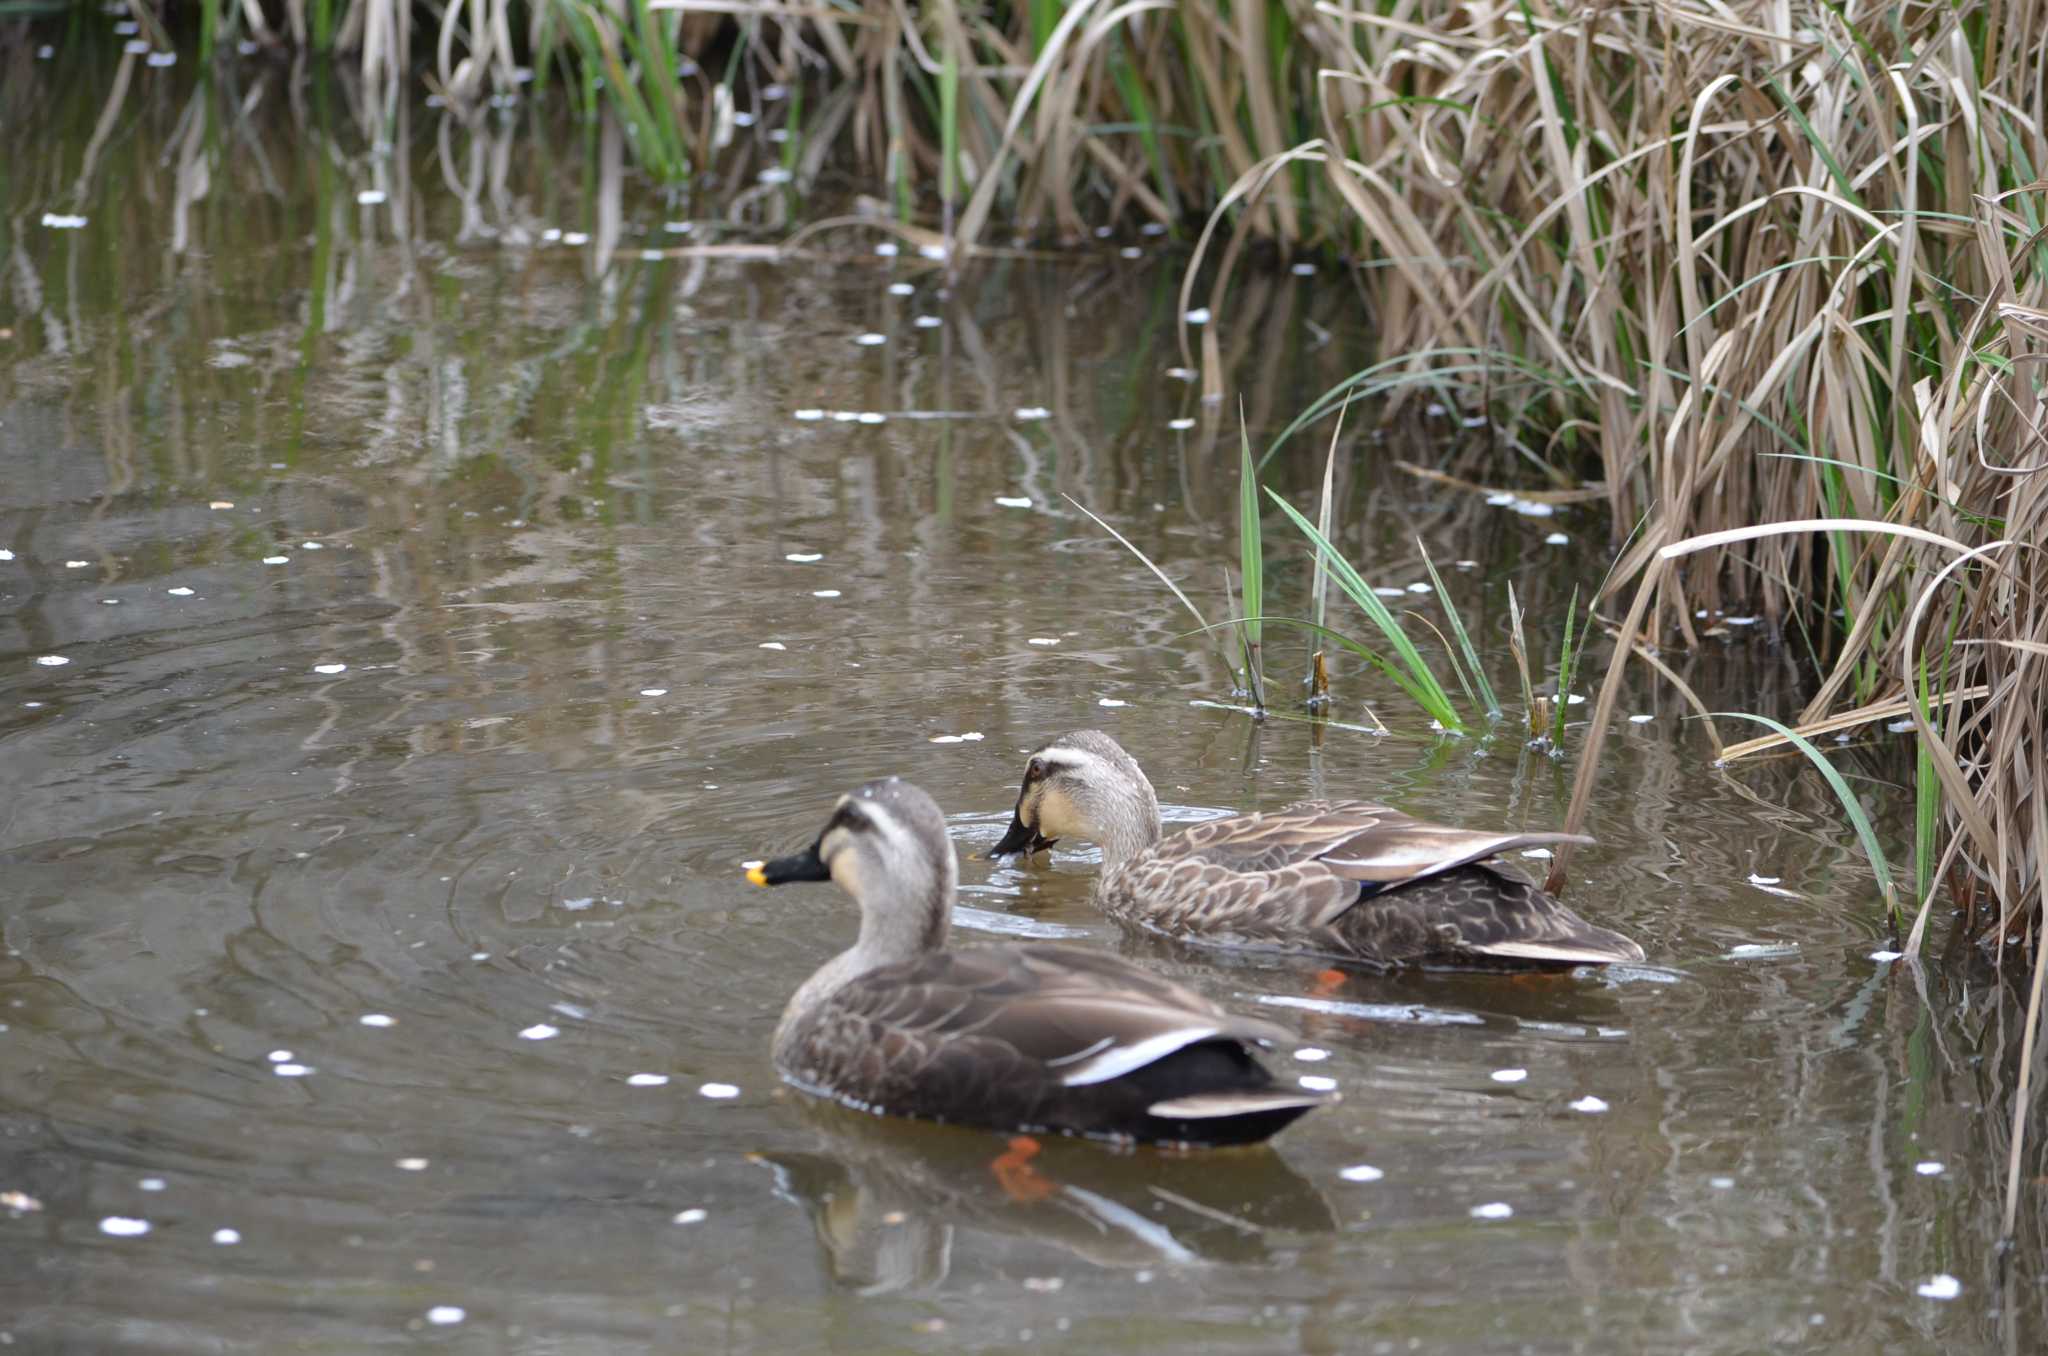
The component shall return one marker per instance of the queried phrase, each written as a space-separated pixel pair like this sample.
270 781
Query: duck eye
1034 770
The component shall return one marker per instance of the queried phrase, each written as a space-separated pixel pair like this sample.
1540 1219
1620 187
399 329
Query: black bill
805 865
1021 838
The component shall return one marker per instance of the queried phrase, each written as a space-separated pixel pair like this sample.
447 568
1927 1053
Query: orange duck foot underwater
1345 879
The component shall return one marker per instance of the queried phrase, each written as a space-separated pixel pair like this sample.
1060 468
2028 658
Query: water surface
447 609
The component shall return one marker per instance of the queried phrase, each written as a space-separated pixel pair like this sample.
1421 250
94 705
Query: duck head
1081 785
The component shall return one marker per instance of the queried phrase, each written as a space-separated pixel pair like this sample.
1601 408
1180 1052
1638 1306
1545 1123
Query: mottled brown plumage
1338 878
1020 1038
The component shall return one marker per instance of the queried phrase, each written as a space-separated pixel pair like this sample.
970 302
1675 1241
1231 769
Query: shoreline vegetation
1772 285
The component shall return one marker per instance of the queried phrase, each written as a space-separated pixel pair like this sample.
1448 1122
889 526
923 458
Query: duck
1029 1038
1343 879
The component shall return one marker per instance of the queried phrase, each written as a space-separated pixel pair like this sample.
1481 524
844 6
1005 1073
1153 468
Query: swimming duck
1333 878
1020 1038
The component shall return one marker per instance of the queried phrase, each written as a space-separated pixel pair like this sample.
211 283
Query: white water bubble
1385 592
934 252
227 1238
280 1056
1589 1104
291 1070
1418 587
63 221
1538 852
1110 701
1556 539
53 661
330 669
1311 1054
775 174
772 645
1942 1287
151 1184
1883 956
1014 501
1180 425
647 1080
446 1315
76 564
809 415
900 289
871 417
121 1226
1182 373
277 560
370 197
654 692
1304 270
1361 1172
1030 413
825 593
179 591
1043 640
870 339
1493 1210
1317 1082
927 322
539 1031
694 1215
803 557
888 249
1899 726
377 1019
311 546
1509 1075
1198 316
1641 718
575 237
1153 228
1930 1168
678 227
1721 1183
410 1164
718 1092
6 554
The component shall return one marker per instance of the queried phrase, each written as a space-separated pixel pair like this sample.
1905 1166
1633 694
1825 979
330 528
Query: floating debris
575 237
20 1202
1589 1105
1556 539
809 415
1762 951
1181 425
370 197
1418 587
76 564
870 339
1493 1210
1029 413
179 591
1509 1075
151 1184
803 557
1014 501
52 661
1528 508
971 737
291 1070
696 1214
654 692
277 560
1641 718
1942 1287
1043 640
1317 1082
1883 956
1182 373
280 1056
1769 885
6 554
1721 1183
63 221
1930 1168
775 174
1407 1013
1304 270
330 669
771 645
1198 316
871 417
824 593
1537 852
718 1092
1111 701
1899 726
410 1164
379 1019
573 1011
646 1080
539 1031
888 249
1386 592
927 322
1361 1172
900 289
227 1238
446 1315
1131 252
120 1226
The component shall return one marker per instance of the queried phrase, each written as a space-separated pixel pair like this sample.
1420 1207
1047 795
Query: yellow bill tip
757 875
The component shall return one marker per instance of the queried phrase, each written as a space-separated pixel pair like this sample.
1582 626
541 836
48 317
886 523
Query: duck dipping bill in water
1018 1038
1330 878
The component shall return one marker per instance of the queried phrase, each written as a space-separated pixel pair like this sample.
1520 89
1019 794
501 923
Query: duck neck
912 917
1129 826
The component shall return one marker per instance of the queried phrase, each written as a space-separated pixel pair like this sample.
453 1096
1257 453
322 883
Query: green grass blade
1426 690
1458 632
1567 664
1861 821
1251 556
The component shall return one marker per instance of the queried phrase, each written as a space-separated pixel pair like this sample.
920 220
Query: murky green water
444 620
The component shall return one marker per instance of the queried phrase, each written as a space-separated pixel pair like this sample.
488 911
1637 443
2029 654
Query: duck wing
1043 1036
